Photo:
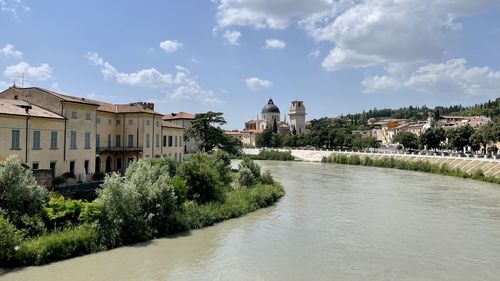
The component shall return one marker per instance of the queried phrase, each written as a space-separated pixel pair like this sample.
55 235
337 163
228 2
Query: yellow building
79 136
183 120
173 145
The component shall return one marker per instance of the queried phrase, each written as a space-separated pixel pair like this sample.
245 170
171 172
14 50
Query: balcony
101 149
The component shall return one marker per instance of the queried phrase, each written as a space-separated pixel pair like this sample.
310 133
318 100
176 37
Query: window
118 140
157 140
157 123
74 115
147 140
15 139
53 140
53 168
118 163
36 166
147 122
87 140
109 121
175 156
72 143
98 120
72 167
164 141
36 139
131 121
109 140
170 141
130 140
88 116
97 140
118 122
175 141
86 166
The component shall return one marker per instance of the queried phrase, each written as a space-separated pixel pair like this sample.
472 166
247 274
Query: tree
459 137
264 139
485 134
209 136
406 139
275 126
432 137
19 192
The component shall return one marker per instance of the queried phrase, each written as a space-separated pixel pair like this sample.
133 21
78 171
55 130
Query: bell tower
297 115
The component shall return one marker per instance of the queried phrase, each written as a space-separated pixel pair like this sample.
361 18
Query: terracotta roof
176 116
58 95
18 107
171 125
124 108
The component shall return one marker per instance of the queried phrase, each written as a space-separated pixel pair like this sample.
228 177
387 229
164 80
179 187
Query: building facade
79 137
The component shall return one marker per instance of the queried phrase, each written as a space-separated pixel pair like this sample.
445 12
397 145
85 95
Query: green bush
415 165
180 189
62 212
32 226
252 166
267 178
57 245
203 178
246 177
166 162
19 192
59 180
270 154
9 240
237 202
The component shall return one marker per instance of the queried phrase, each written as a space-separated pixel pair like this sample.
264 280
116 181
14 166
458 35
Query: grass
413 165
270 154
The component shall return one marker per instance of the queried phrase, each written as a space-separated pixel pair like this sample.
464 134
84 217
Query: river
335 223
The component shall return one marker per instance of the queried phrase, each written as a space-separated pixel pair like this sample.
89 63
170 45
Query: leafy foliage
407 139
9 239
19 192
246 177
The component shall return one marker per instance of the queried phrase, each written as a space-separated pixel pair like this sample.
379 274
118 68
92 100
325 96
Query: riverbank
488 166
154 199
411 165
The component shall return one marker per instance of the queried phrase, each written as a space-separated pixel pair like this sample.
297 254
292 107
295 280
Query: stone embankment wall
489 166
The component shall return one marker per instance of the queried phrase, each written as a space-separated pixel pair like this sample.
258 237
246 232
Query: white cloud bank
232 37
275 44
10 52
180 85
171 46
38 73
257 84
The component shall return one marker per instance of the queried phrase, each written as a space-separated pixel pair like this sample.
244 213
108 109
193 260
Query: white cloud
170 46
314 53
257 84
10 52
344 58
40 73
180 85
451 77
379 31
232 37
13 6
275 43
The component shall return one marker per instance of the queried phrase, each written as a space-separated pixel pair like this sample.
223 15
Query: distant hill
490 109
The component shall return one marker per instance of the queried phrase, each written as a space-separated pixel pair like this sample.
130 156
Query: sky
231 56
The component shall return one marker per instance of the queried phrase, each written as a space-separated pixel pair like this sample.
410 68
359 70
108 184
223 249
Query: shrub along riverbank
413 165
272 154
155 198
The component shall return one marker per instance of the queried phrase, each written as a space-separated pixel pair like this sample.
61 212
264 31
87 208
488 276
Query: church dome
270 107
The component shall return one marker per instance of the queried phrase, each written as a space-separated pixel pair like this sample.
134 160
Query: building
80 137
183 120
297 113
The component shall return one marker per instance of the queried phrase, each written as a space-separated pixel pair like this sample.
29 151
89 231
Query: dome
270 107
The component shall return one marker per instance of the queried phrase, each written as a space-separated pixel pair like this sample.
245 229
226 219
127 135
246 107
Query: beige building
173 145
183 120
78 136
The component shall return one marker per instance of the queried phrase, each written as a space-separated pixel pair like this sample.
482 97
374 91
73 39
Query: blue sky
232 55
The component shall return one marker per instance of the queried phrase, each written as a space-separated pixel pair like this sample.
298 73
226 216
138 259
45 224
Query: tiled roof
171 125
124 108
18 107
180 115
61 96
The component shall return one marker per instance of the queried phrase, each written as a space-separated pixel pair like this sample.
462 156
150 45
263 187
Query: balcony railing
117 148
